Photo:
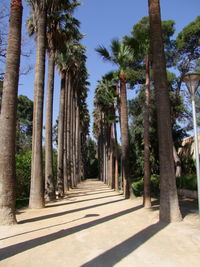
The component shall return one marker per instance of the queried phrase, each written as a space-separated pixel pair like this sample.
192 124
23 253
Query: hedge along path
95 226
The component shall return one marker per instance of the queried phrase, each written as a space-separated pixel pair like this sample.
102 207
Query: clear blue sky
103 20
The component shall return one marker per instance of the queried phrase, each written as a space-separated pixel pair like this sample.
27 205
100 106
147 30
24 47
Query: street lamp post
192 81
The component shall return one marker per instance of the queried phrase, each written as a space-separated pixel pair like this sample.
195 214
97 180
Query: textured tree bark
101 157
36 199
147 174
74 136
125 136
116 160
60 178
112 158
49 184
8 117
65 155
68 125
177 163
77 170
169 206
71 137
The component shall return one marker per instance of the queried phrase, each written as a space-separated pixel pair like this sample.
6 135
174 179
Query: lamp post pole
192 82
196 148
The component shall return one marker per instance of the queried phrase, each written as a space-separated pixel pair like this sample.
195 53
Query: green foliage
188 47
23 174
136 107
136 118
187 181
188 165
120 54
90 160
188 39
22 202
105 95
138 186
140 39
24 124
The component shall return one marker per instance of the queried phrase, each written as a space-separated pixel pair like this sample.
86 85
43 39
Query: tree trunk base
7 216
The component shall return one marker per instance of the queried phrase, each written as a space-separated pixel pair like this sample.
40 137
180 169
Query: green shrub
187 181
20 203
23 174
138 186
155 185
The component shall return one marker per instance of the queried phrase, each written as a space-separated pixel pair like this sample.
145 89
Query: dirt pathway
94 226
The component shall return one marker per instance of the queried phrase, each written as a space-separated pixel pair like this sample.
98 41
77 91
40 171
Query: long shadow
26 245
82 194
51 226
79 201
188 206
117 253
67 212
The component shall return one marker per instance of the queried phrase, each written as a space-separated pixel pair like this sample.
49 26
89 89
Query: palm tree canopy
120 54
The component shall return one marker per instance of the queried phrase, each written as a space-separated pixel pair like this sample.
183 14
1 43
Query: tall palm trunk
71 138
116 159
8 117
74 138
112 177
65 156
68 129
147 174
77 170
124 134
36 199
49 184
169 207
60 178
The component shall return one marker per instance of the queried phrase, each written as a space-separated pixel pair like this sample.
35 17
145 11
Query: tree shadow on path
29 244
48 216
55 204
117 253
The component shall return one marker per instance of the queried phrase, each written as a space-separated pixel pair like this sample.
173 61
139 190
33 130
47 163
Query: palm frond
115 47
104 53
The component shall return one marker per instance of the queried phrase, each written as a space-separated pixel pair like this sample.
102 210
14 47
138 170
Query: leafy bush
23 174
138 186
20 203
187 181
188 165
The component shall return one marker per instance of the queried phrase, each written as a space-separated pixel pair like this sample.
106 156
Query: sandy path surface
94 226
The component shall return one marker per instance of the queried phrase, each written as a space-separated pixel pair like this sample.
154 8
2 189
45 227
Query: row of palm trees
104 129
47 23
57 34
130 54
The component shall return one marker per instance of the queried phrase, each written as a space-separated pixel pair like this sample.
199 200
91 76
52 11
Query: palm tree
105 103
121 55
61 28
39 12
49 185
169 207
65 62
8 117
